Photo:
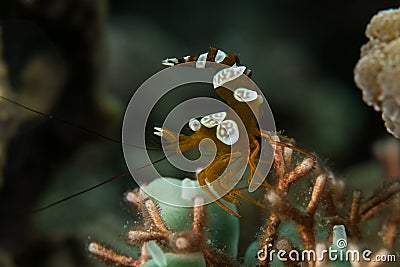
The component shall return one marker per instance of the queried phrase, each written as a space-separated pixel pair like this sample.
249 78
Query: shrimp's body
223 130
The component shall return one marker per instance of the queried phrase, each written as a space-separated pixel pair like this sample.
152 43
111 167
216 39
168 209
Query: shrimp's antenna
79 193
74 125
98 185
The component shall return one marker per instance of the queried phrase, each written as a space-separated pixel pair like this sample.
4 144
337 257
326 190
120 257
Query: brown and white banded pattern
214 55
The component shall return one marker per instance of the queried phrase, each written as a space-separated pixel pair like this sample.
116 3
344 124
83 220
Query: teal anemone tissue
161 259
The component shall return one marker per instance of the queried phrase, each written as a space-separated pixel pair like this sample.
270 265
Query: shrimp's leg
221 164
217 167
247 198
236 191
251 159
201 178
286 139
278 143
253 168
231 197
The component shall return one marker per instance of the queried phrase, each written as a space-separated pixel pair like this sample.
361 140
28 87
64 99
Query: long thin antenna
79 193
98 185
75 125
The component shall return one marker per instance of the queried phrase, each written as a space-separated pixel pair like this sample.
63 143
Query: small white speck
198 201
93 247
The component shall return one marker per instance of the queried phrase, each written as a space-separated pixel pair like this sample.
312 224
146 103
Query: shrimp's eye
194 125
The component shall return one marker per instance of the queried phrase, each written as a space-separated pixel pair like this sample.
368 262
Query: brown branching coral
378 70
388 152
155 229
324 209
282 209
326 191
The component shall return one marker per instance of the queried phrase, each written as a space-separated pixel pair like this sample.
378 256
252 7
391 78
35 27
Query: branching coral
312 223
295 222
378 70
163 246
282 209
187 242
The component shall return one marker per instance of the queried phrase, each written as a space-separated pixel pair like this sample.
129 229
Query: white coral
377 73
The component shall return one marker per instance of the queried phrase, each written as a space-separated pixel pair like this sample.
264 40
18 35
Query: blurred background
82 60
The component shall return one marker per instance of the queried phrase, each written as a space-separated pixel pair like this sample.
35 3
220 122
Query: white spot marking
242 94
201 61
226 75
221 55
213 120
170 62
228 132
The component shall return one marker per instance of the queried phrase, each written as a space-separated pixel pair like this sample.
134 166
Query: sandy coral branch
354 214
301 169
108 255
153 214
377 202
316 194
